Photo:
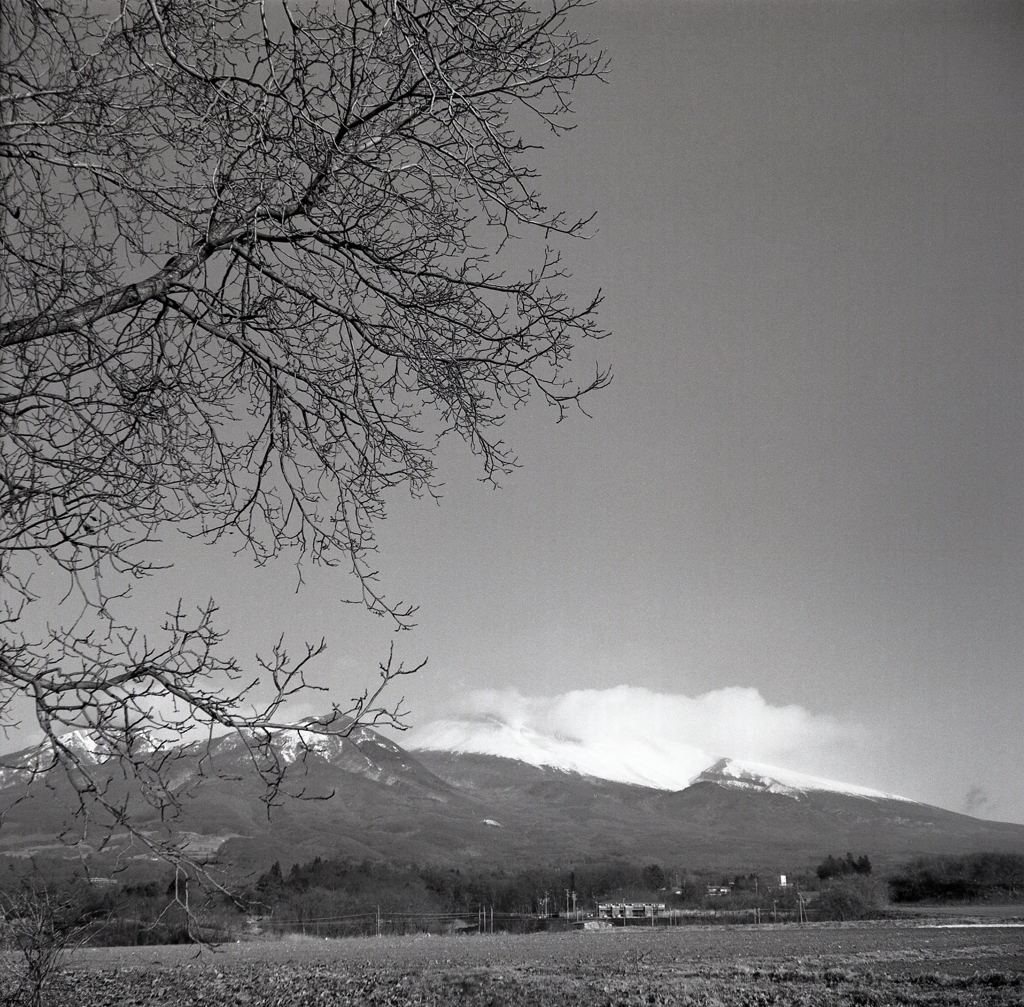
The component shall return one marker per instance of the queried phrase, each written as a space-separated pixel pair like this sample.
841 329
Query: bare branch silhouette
254 268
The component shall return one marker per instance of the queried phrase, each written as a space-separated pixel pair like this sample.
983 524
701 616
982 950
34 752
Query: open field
979 911
838 964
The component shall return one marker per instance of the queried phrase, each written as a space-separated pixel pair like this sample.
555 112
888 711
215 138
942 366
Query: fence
485 920
386 923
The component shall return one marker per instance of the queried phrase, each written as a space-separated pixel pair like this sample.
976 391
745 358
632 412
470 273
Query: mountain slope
716 822
366 796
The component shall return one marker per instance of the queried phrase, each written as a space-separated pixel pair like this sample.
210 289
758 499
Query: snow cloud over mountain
635 735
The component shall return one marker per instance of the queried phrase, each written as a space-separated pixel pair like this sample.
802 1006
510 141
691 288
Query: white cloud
633 734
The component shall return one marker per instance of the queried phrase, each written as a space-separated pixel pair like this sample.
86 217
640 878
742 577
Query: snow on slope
756 776
647 762
84 746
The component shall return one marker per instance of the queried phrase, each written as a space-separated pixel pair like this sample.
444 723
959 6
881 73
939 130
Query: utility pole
181 896
378 921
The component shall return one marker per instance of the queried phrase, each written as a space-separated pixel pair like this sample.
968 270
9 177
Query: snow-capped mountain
641 761
559 801
768 779
646 762
86 747
362 751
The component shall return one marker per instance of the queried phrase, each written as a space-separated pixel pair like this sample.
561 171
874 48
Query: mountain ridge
756 776
643 763
365 796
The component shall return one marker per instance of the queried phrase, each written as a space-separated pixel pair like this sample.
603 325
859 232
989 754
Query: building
630 910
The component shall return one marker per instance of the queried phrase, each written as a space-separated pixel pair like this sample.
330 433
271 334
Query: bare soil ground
973 911
828 965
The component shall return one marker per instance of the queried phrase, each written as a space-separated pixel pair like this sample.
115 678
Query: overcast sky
804 485
806 478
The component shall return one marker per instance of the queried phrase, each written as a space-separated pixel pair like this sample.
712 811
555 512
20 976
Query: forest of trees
970 877
356 884
834 867
326 888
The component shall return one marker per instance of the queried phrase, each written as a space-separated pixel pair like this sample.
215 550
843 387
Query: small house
629 910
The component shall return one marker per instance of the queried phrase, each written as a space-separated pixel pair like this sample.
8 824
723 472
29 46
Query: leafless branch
254 266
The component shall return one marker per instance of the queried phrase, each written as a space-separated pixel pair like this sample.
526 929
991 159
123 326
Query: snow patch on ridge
295 744
92 748
769 779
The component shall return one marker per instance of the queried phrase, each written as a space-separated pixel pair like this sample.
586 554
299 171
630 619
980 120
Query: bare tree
40 921
255 265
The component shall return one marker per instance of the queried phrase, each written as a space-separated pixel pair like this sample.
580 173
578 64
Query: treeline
834 867
335 887
41 906
356 885
336 897
958 878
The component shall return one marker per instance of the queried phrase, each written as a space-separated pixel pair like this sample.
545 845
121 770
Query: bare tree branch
254 267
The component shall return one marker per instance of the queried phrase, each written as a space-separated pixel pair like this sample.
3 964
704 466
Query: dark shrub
854 897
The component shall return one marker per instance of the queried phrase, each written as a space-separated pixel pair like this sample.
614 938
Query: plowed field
857 964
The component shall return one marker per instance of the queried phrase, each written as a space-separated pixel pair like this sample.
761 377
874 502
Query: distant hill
367 797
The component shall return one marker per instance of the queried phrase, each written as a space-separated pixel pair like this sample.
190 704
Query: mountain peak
93 747
768 779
